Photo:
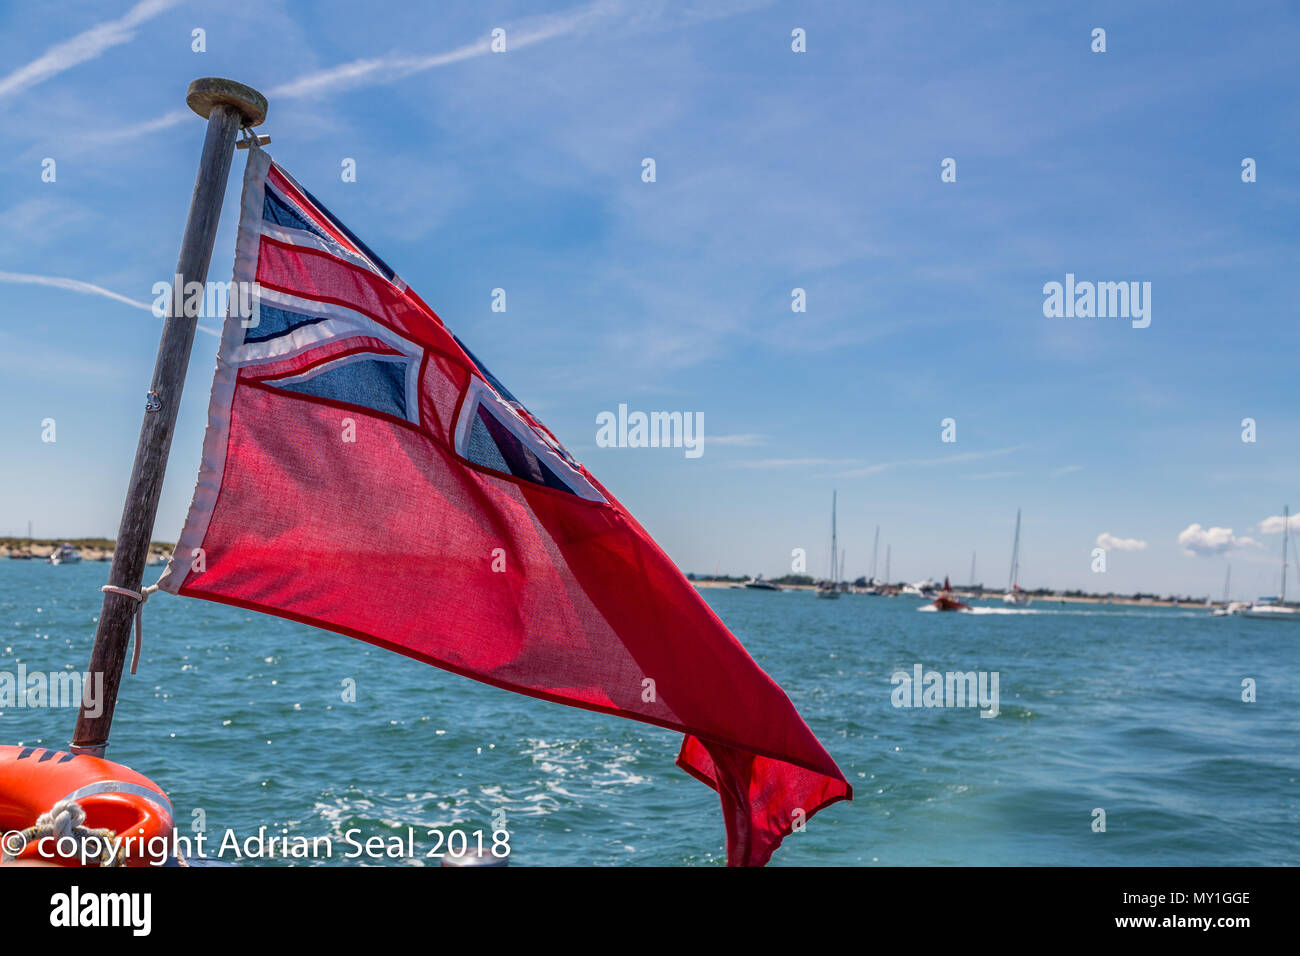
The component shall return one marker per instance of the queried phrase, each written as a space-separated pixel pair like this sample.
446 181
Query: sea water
256 725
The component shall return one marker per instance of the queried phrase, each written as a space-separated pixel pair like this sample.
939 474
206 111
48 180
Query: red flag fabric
364 473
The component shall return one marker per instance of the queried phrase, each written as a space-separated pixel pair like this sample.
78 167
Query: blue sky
775 170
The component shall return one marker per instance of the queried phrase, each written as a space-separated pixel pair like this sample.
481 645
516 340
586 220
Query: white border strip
478 392
301 237
339 323
217 437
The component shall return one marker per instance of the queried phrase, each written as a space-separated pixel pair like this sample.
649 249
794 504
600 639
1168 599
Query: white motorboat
1230 609
65 554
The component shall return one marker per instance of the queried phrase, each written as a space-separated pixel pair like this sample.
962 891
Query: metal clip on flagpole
228 107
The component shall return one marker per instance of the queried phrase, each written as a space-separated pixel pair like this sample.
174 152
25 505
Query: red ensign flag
364 473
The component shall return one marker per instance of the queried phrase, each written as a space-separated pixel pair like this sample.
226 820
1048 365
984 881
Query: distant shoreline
101 549
1050 598
90 549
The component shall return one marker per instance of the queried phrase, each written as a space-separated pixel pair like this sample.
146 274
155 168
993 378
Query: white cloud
388 69
23 358
1111 543
40 221
1273 524
1198 541
909 462
768 463
86 288
365 72
868 470
1065 470
748 438
72 285
86 45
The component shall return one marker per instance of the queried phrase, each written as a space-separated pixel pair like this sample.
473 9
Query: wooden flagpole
228 107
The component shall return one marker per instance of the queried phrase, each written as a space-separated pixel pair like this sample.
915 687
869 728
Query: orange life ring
34 779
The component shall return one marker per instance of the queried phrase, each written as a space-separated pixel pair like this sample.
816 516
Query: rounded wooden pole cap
210 91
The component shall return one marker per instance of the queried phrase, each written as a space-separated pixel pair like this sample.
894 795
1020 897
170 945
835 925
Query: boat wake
1072 612
931 609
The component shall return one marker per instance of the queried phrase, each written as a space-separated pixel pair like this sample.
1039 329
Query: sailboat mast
834 542
875 554
1015 555
1286 533
887 549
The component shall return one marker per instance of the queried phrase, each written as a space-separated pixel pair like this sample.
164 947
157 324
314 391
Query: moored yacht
1276 608
1266 610
831 587
1016 595
1229 607
924 589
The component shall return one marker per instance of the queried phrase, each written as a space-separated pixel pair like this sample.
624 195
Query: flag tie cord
139 597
